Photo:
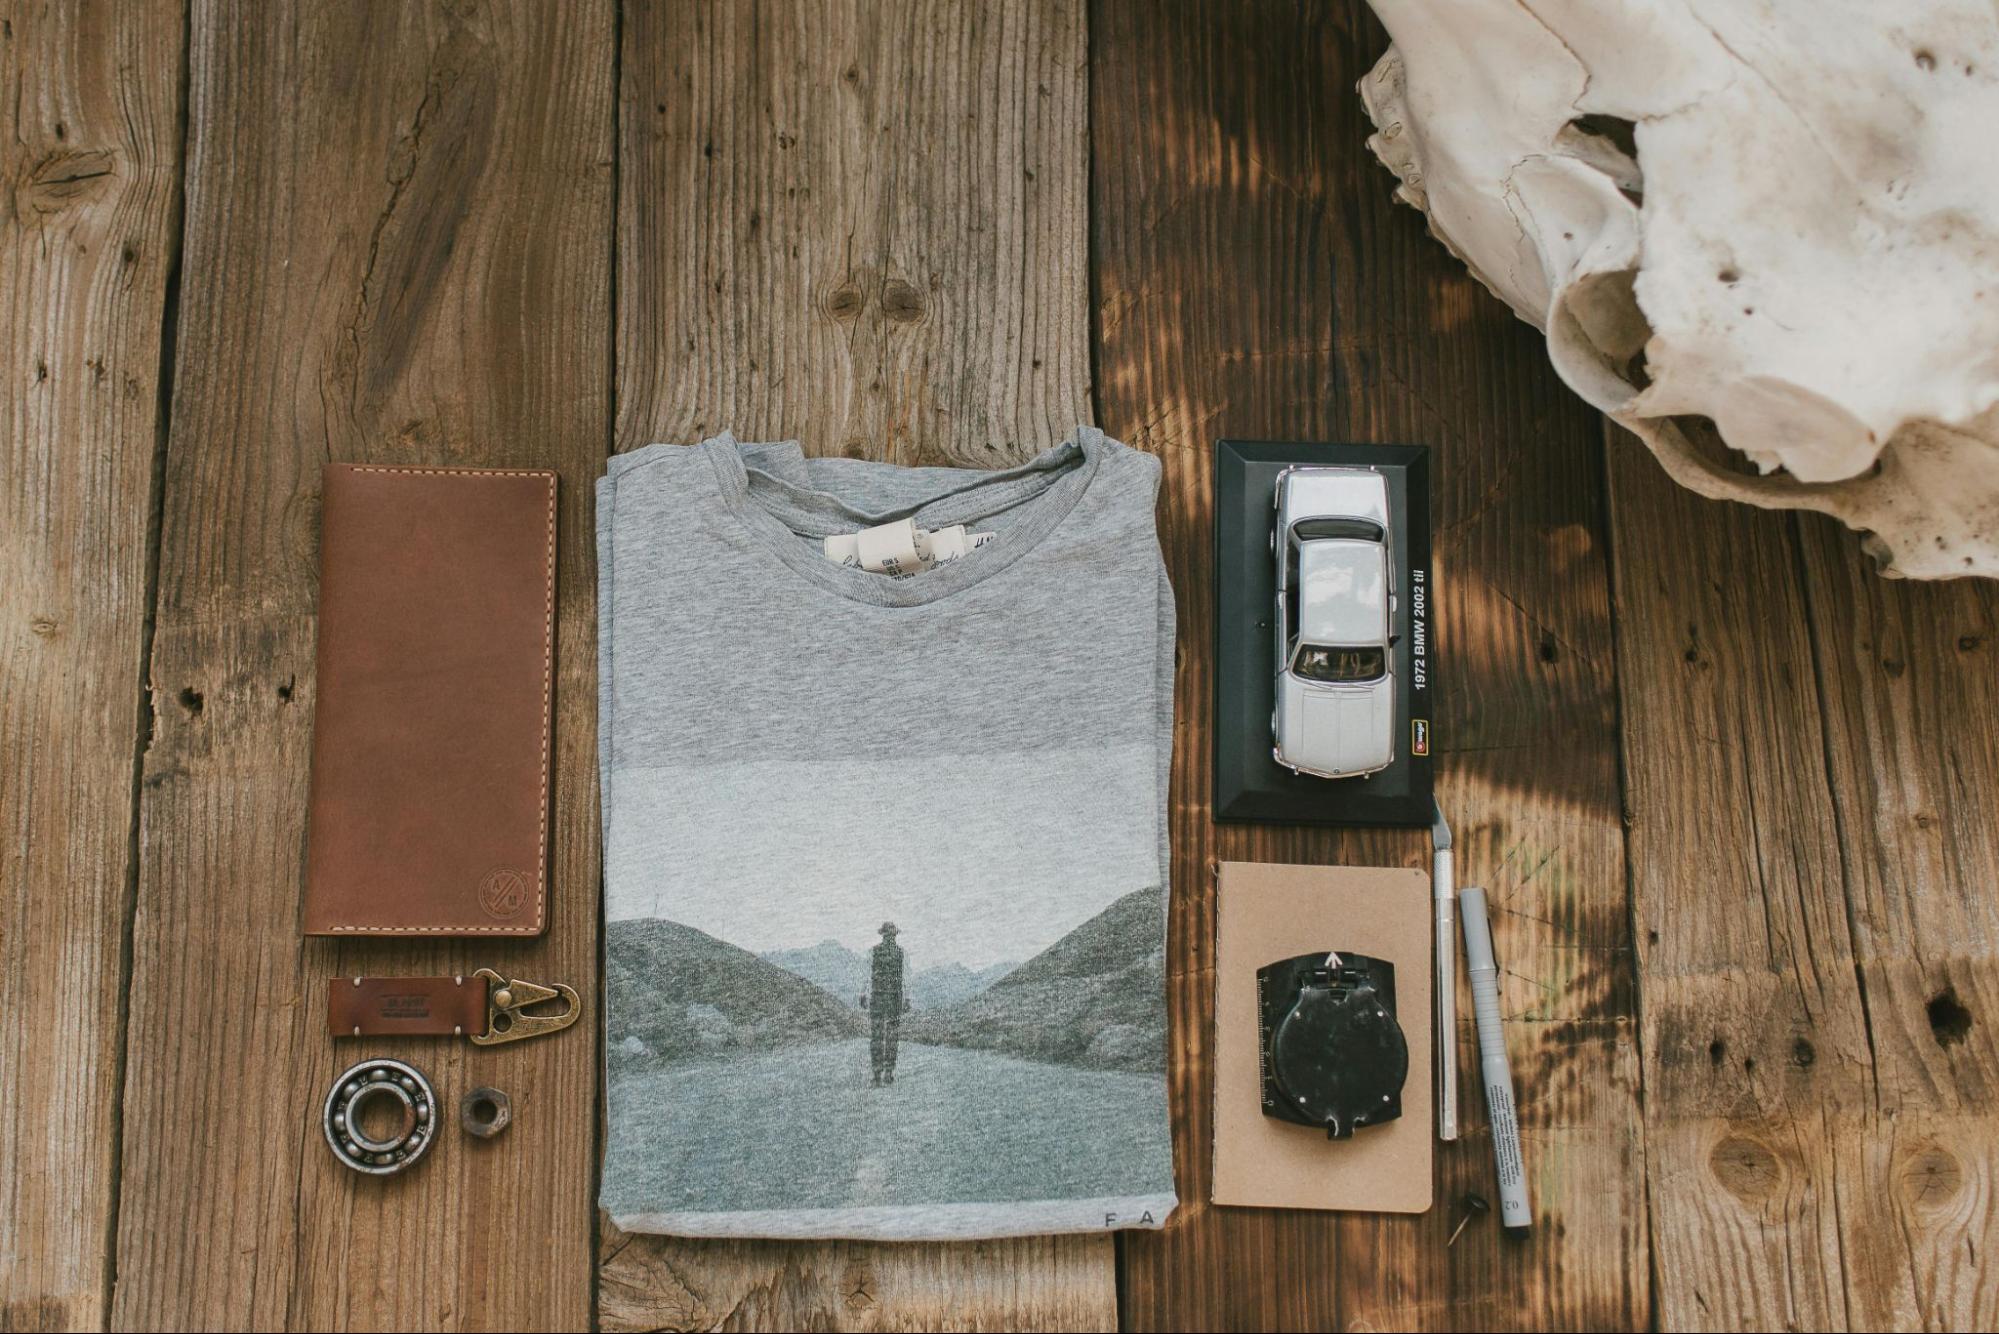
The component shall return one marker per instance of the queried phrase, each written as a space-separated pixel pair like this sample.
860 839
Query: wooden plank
861 226
398 248
89 231
1256 281
648 1283
1911 697
1752 1019
1810 764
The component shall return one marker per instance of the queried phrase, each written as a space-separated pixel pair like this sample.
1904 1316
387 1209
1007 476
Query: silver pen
1443 895
1514 1214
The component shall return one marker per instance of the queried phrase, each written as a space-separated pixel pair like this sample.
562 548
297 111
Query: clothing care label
901 548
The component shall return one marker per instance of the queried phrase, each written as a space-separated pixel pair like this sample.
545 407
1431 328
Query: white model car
1335 714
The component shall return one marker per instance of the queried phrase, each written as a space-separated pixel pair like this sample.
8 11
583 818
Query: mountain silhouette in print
735 1084
844 972
672 992
1095 998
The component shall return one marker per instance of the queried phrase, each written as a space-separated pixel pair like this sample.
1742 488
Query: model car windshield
1306 530
1315 663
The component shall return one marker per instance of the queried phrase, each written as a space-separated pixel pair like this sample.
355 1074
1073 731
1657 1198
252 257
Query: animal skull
1765 226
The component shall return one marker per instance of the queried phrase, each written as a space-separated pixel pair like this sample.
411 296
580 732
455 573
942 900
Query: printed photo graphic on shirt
790 1027
829 1077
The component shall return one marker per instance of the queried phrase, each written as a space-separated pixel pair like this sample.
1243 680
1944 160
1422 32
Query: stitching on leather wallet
547 709
452 472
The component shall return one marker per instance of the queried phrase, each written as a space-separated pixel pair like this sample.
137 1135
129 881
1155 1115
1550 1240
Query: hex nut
485 1112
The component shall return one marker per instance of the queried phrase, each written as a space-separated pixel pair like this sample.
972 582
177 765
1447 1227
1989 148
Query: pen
1444 897
1514 1215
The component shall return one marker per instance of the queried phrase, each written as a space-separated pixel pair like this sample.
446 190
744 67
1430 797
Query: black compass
1333 1054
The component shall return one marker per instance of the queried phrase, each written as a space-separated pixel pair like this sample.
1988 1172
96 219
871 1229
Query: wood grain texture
861 226
1908 675
1751 1014
1254 281
1809 755
916 230
89 227
1032 1283
398 249
1910 696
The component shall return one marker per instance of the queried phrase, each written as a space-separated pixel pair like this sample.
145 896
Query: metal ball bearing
372 1083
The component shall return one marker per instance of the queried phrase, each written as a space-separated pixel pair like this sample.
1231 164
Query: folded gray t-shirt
884 856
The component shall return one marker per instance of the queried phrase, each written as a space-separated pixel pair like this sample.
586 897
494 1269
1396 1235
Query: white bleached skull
1762 234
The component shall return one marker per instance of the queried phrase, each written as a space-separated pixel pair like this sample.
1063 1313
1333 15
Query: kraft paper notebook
431 735
1265 913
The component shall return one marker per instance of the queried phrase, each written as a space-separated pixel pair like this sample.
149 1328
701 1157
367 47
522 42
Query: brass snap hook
506 999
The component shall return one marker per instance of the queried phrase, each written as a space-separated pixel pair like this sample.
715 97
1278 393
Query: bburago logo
503 893
1419 736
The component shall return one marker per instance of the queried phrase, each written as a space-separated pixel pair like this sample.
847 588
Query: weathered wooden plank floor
1738 797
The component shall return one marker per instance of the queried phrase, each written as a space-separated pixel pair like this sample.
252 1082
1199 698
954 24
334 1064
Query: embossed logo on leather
503 893
402 1005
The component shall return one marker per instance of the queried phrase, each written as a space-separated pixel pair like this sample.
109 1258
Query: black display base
1249 783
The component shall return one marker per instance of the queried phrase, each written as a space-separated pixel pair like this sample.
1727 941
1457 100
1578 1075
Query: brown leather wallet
428 812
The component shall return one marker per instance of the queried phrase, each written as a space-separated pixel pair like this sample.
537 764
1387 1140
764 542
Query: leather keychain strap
483 1006
414 1006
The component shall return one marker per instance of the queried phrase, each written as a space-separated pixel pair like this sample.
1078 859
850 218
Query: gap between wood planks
145 707
599 1100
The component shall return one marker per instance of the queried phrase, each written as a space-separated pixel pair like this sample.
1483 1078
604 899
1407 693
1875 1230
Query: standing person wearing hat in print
885 1003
